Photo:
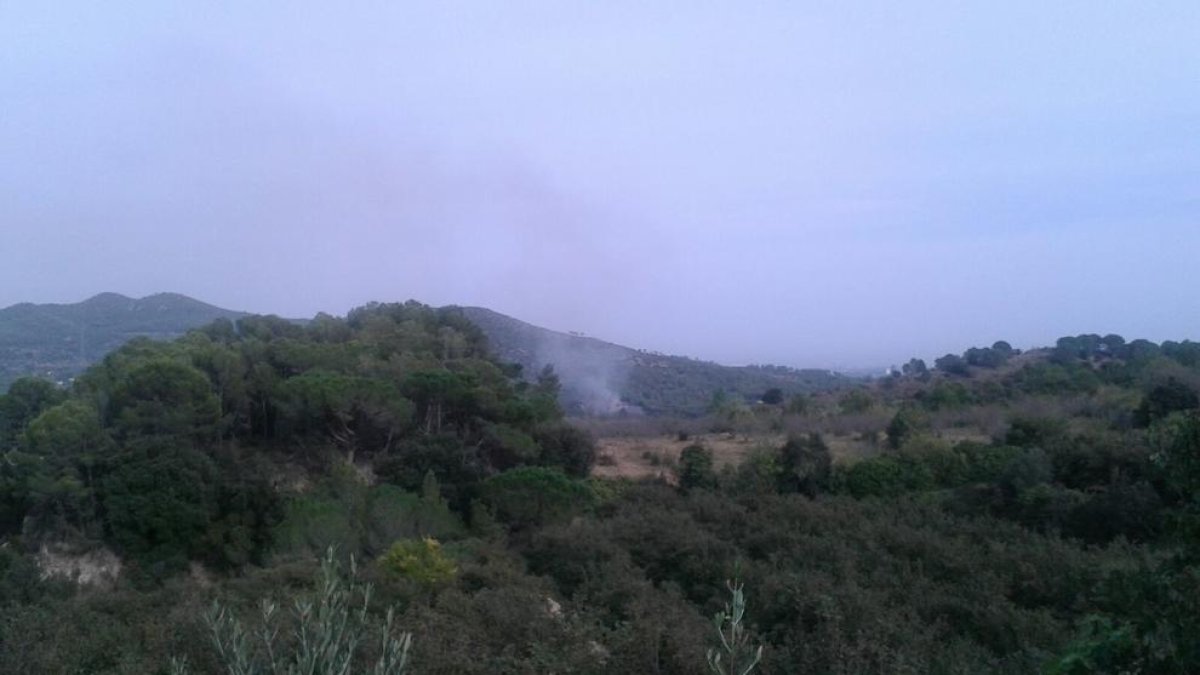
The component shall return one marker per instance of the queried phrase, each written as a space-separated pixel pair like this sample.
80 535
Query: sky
807 183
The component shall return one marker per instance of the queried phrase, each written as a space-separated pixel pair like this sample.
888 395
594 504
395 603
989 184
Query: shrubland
1000 512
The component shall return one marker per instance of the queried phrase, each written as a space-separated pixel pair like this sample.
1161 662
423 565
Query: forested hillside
603 378
58 342
1011 513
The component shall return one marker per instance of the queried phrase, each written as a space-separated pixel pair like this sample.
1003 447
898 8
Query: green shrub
420 561
330 635
159 501
535 496
987 463
314 523
875 477
804 465
907 422
696 468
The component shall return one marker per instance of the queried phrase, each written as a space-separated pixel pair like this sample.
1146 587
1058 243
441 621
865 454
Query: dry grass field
657 456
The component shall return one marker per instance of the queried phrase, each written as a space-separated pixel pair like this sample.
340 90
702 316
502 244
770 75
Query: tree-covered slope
601 377
146 452
58 341
1057 534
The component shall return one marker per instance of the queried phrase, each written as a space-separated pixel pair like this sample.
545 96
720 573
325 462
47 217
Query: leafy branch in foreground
735 644
326 637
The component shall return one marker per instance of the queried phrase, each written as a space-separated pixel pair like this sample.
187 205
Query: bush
159 501
330 634
804 465
876 477
696 468
905 423
1161 401
567 447
419 561
532 496
314 523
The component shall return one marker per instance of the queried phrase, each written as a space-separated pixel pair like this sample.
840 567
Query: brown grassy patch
638 457
656 456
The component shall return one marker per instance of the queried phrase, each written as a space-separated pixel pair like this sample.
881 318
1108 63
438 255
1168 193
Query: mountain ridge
601 377
60 340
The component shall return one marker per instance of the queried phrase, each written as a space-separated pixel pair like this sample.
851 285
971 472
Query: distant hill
60 341
603 378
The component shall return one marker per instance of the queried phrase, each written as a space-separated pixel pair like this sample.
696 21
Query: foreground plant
736 656
326 638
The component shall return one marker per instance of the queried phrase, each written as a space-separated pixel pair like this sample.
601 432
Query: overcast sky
795 182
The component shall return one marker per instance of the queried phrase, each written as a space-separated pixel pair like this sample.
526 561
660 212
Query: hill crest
60 340
600 377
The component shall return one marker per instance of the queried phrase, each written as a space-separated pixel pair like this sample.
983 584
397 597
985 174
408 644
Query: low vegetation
999 512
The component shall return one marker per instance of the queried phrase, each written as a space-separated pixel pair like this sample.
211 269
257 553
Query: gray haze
801 183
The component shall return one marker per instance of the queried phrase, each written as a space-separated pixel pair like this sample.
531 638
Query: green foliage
987 463
54 474
772 396
856 401
354 411
565 446
696 468
357 518
916 368
1055 378
188 430
1177 454
25 400
420 561
757 474
377 431
159 501
877 477
804 465
905 423
1105 646
1152 622
314 523
395 514
68 431
1171 396
164 399
797 405
952 364
60 341
331 635
657 384
946 396
533 496
505 447
1034 432
736 656
946 466
985 357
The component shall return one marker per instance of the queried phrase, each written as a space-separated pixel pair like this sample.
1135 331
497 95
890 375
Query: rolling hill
603 378
59 341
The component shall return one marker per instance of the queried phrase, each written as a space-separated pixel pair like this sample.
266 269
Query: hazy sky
806 183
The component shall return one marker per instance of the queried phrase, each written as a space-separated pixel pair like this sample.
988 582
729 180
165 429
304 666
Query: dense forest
214 504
